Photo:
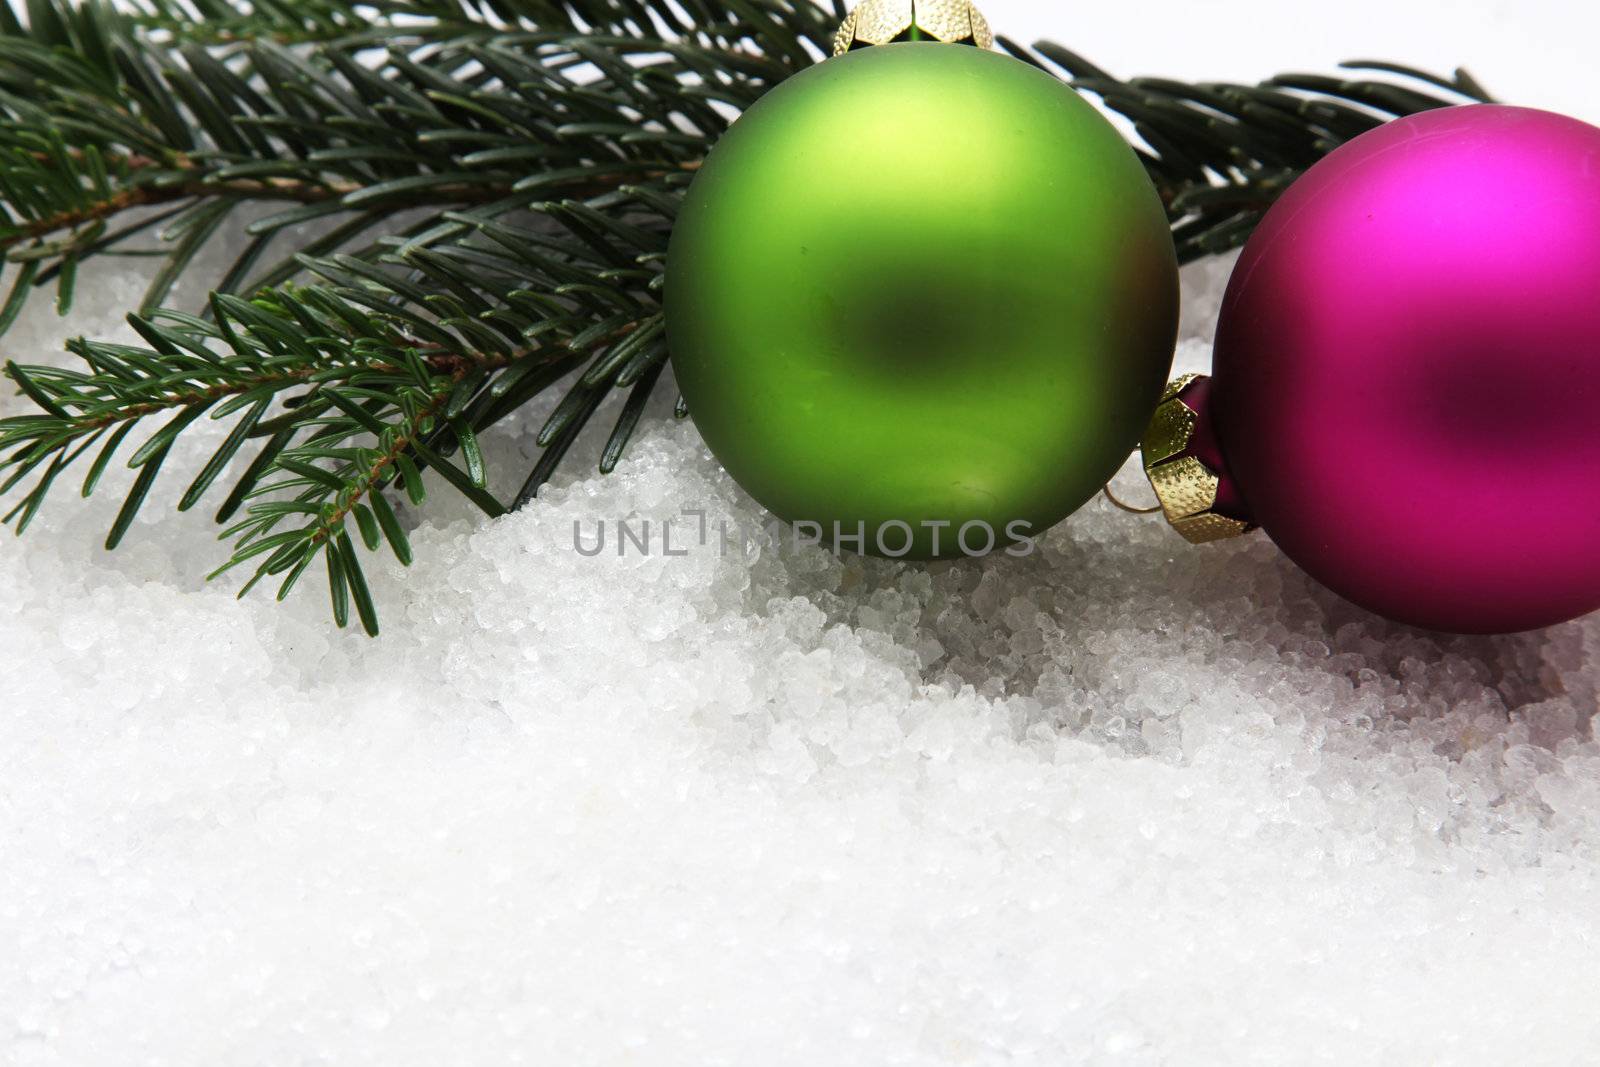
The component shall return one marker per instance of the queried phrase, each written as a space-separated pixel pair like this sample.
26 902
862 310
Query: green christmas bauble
921 287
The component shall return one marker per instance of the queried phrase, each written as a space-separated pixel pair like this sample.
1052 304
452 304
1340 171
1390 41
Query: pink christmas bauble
1407 383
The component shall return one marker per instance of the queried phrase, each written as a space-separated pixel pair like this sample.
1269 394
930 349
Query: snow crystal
1123 800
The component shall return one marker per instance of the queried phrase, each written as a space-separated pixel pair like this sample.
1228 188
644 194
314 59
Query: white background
1540 52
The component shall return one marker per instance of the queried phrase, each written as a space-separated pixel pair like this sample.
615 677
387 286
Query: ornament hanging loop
1125 506
884 21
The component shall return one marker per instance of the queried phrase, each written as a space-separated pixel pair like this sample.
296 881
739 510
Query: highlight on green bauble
922 297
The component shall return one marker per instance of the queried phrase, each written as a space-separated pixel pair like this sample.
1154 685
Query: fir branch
450 115
459 206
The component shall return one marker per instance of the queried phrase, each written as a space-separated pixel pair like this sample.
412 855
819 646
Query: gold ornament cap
882 21
1186 486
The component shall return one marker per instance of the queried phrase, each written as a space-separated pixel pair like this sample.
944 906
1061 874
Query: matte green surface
922 282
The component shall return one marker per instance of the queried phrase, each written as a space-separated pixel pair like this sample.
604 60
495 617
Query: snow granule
1121 801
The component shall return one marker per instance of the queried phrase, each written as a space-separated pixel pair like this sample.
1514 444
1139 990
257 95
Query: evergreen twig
455 206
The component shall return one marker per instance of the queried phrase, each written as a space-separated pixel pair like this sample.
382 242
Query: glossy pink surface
1407 377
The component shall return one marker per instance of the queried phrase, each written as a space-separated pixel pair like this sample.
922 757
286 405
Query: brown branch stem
451 364
302 192
374 476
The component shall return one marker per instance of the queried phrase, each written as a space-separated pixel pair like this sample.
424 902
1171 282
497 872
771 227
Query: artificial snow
1121 801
